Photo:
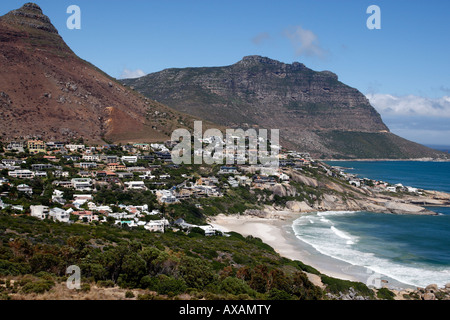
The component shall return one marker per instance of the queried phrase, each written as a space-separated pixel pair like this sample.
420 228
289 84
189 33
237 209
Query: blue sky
403 68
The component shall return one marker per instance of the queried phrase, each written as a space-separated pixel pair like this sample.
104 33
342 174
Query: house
3 205
412 190
116 167
228 170
136 185
142 146
21 174
55 145
64 184
355 183
156 225
71 158
15 146
233 182
209 230
86 216
41 166
40 174
90 157
166 196
263 182
391 189
243 180
87 165
25 188
85 197
75 147
184 225
109 158
129 159
59 215
51 158
12 162
125 175
165 156
146 157
36 146
58 197
82 184
40 212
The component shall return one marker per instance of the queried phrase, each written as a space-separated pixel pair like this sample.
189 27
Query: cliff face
314 111
48 92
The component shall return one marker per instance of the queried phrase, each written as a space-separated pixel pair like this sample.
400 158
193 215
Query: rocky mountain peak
255 60
30 15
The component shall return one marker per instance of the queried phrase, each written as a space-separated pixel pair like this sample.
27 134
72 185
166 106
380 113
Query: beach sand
277 232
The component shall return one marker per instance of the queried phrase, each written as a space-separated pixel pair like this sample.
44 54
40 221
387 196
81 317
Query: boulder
432 288
429 296
298 206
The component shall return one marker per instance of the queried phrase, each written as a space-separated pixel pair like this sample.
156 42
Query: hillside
48 92
314 111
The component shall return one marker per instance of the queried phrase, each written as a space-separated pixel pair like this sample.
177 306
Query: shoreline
278 233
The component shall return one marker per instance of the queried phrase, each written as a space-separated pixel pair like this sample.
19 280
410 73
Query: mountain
47 91
314 111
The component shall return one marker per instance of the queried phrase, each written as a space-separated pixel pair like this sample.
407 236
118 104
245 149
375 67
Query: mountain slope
47 91
314 111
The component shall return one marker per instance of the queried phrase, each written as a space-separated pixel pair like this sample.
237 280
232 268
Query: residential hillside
315 112
48 92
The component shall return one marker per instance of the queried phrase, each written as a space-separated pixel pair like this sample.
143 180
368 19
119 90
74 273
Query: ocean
412 250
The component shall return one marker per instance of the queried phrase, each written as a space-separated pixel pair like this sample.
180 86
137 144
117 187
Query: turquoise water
414 250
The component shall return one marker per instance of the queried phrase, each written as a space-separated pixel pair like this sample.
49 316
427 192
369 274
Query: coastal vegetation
34 255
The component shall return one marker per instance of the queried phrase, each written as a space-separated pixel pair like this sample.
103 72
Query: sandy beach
277 232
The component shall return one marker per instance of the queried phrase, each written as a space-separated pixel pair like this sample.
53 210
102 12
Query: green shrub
169 285
385 294
337 285
38 287
236 286
275 294
129 294
85 287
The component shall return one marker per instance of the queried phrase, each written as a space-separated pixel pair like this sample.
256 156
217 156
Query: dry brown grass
61 292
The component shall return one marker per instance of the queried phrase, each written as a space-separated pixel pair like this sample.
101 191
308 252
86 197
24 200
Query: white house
129 159
136 185
25 188
166 196
21 174
391 189
209 230
74 147
156 225
412 190
82 184
40 212
59 215
355 183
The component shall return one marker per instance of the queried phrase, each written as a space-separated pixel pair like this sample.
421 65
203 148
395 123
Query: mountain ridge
314 111
48 92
